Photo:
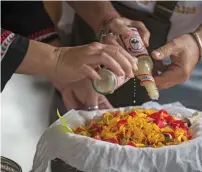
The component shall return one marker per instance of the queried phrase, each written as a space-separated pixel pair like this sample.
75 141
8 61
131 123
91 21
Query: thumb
168 49
123 30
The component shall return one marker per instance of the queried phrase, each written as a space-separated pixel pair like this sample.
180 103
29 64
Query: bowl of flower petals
145 138
138 128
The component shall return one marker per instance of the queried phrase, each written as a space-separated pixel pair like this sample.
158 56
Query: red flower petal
132 144
121 122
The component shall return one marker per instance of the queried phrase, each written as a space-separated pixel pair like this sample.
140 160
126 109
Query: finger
132 59
171 48
106 60
96 55
143 31
104 103
123 58
111 40
90 72
118 26
172 76
70 100
92 99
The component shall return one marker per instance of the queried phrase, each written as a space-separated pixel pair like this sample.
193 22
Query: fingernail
98 77
156 53
135 60
131 75
135 67
146 42
121 73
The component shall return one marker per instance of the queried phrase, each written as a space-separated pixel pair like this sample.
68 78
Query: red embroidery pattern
42 34
4 35
7 38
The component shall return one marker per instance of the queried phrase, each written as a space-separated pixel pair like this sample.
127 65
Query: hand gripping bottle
134 45
109 82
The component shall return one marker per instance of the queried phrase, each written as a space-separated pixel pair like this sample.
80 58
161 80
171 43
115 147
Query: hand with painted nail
76 63
184 54
119 26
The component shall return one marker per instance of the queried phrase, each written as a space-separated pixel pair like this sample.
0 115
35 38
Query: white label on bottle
145 78
134 44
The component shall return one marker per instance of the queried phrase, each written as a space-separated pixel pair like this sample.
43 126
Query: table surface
25 104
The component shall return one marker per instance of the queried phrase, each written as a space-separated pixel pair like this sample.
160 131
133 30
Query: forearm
93 12
20 55
39 59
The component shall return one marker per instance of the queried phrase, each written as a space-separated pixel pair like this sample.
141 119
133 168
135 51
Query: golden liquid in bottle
144 73
135 46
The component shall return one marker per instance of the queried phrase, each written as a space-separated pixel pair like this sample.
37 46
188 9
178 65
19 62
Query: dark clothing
25 19
13 51
28 19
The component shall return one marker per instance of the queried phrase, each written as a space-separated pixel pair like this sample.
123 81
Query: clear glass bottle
109 82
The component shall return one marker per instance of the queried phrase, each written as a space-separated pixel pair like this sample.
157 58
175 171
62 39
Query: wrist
197 35
39 59
105 19
51 62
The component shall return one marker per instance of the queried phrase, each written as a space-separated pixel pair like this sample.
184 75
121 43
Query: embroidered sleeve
7 38
13 51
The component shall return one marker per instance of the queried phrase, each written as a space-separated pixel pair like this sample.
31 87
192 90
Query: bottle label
145 78
134 44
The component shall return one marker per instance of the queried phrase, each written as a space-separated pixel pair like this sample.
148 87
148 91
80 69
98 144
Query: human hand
75 63
81 95
119 26
184 53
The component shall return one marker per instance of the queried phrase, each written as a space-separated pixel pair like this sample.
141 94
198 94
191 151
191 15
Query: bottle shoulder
145 59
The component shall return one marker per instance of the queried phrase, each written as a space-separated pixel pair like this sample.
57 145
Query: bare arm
93 11
21 55
198 38
39 59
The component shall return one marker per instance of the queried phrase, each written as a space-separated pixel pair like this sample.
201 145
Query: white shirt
186 17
